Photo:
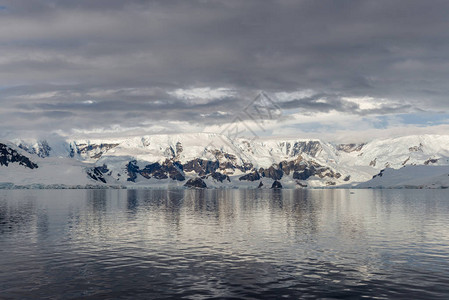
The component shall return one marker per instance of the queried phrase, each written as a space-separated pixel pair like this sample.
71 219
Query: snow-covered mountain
216 161
423 176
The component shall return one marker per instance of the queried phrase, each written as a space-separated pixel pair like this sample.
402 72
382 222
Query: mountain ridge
158 160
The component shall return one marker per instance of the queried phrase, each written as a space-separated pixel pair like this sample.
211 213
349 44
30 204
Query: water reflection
224 243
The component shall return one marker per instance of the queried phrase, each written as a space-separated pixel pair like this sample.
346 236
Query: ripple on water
232 244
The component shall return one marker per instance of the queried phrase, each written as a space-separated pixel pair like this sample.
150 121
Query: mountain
213 160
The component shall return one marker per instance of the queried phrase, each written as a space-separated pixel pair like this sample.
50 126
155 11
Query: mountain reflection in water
128 244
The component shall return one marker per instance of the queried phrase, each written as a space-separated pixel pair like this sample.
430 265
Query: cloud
99 64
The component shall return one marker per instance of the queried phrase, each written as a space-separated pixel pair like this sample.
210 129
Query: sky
338 70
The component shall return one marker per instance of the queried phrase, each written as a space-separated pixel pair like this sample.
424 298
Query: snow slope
410 177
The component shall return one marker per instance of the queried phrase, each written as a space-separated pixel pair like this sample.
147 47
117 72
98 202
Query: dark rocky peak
9 155
195 183
348 148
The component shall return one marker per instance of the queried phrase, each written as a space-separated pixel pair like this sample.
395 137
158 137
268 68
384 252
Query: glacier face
216 160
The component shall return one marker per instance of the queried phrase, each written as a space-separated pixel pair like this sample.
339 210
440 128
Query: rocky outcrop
348 148
217 176
276 185
9 156
41 149
195 183
416 148
273 172
380 174
168 169
253 176
201 167
305 174
92 151
97 173
311 148
132 170
431 161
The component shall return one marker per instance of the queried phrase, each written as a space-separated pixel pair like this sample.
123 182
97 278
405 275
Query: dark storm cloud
126 57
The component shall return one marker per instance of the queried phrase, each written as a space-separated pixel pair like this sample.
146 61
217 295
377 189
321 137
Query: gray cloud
127 56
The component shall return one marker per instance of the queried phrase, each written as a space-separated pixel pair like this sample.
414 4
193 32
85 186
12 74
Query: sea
224 244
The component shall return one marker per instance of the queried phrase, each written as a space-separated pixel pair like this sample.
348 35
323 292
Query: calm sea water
242 244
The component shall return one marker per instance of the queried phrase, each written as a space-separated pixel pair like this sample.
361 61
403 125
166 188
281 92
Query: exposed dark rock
348 148
159 174
245 167
272 172
304 175
9 155
96 173
195 183
179 148
310 148
220 177
405 161
42 149
416 148
380 174
347 178
276 185
373 162
201 167
103 169
93 150
431 161
304 171
175 170
293 165
253 176
167 169
301 184
260 185
132 169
